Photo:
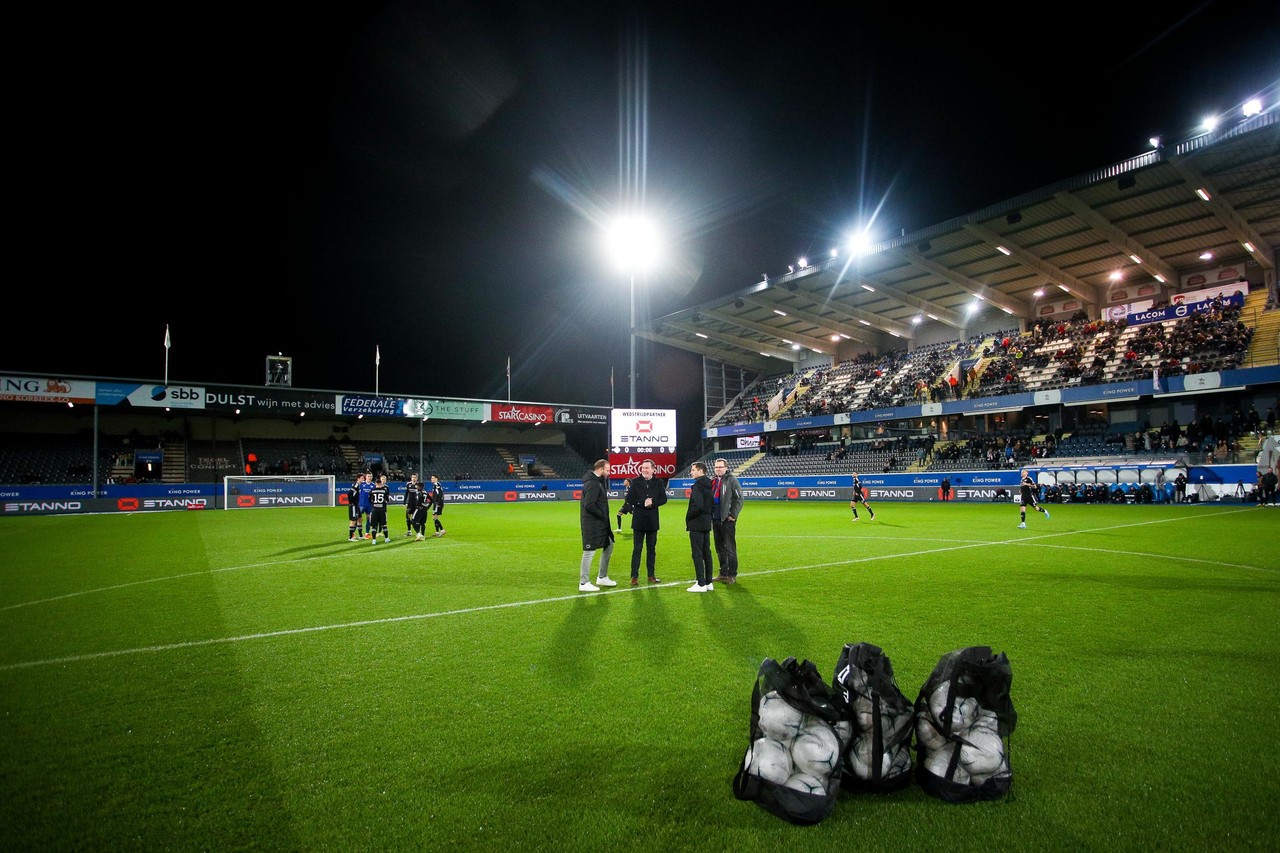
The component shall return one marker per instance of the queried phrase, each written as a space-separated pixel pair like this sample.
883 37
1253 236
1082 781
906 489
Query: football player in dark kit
1029 499
858 498
436 497
379 500
421 506
354 516
410 503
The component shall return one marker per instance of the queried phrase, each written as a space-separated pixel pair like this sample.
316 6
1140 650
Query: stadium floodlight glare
1251 107
1209 124
1154 142
634 244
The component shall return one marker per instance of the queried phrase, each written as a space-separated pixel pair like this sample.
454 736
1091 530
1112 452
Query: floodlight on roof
1248 247
1002 250
930 316
1209 124
779 313
868 288
1251 107
864 322
803 262
835 338
699 334
1135 259
917 320
835 253
1206 255
1154 142
1063 288
796 346
1115 275
859 243
1039 292
1159 278
1203 193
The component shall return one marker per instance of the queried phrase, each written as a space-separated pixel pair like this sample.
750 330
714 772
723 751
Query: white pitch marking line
192 644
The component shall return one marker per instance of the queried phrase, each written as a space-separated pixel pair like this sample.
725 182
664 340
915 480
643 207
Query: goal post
265 492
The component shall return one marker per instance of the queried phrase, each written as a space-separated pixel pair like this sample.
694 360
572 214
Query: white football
928 735
815 751
844 731
895 726
778 719
769 759
984 752
937 762
963 713
863 762
808 783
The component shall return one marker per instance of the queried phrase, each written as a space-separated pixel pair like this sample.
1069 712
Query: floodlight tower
633 243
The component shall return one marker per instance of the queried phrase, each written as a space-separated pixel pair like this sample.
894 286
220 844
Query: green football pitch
231 680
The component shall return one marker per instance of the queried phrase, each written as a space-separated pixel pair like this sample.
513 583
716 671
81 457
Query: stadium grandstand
1130 313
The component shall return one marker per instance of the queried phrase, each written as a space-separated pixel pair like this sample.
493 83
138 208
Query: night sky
431 178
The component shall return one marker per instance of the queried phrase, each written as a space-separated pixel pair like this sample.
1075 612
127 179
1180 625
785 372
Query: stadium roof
1145 218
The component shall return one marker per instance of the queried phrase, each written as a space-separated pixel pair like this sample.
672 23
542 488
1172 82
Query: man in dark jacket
597 535
697 520
646 494
726 499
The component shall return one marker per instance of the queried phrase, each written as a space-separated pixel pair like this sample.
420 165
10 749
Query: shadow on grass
568 659
748 631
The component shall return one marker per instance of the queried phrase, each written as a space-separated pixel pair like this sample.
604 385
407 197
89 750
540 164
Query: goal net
259 492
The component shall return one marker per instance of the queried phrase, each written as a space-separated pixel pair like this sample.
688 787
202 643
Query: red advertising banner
511 413
627 465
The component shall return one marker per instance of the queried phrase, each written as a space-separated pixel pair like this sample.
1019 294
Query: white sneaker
619 530
1022 526
1046 515
606 582
855 518
697 588
709 587
420 538
588 587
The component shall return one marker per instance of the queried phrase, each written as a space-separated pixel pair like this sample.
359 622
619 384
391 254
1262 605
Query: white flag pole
377 367
166 355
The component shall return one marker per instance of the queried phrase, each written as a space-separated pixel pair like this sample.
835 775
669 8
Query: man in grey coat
597 534
726 497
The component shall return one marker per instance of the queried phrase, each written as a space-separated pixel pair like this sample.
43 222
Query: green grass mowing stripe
606 719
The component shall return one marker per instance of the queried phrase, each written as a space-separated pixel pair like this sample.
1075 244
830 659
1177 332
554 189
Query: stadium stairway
352 457
174 467
521 473
1265 346
747 463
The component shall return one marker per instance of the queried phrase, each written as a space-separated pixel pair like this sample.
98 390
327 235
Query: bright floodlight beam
633 243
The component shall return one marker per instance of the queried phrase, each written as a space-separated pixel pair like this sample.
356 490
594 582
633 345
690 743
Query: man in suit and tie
726 498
